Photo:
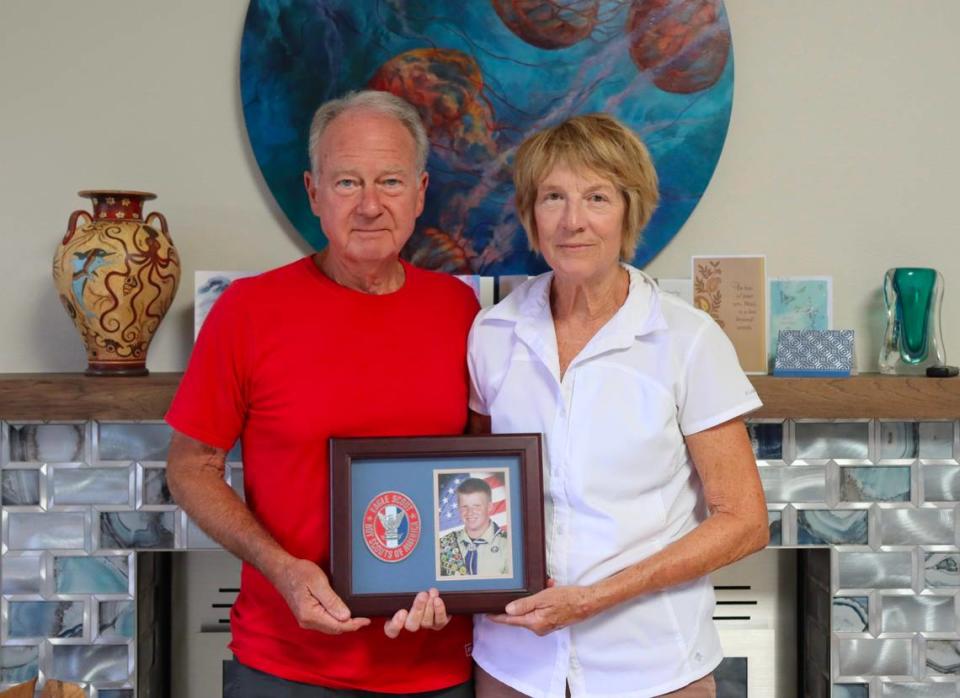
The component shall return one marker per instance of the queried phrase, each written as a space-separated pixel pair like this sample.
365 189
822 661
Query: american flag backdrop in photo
447 484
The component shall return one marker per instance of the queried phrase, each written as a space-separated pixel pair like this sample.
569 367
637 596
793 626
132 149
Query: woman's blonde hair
601 144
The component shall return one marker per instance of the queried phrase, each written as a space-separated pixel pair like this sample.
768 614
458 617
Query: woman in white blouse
649 478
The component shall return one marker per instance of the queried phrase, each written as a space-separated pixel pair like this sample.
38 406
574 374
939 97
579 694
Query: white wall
840 160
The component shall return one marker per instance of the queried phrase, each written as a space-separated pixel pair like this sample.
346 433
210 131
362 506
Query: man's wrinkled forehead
360 121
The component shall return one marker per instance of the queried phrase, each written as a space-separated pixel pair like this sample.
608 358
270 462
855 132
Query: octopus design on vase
117 275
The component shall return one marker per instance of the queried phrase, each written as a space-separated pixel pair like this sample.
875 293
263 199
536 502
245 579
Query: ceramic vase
913 340
116 273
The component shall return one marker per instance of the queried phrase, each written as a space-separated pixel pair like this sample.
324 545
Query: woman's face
579 217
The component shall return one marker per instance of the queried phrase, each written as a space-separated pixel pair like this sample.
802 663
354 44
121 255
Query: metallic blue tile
767 440
155 489
794 483
836 527
45 619
21 573
917 527
20 487
917 614
818 440
91 486
915 689
875 484
899 440
49 531
936 440
116 619
943 657
864 656
775 521
134 442
888 570
18 664
92 575
90 663
47 443
136 529
941 570
851 614
941 483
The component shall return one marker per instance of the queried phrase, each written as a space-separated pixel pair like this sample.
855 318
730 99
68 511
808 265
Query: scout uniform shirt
485 556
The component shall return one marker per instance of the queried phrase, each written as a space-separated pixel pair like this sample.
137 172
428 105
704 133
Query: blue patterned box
814 353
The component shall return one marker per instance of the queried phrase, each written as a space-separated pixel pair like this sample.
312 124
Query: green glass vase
912 342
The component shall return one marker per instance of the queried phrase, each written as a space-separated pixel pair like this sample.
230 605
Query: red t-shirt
284 361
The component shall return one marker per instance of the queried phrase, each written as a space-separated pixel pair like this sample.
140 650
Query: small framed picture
463 514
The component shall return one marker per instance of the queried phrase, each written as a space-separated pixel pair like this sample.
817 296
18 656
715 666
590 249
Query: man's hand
428 611
315 605
551 609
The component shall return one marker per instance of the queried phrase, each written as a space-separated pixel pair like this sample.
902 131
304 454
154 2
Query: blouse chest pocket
622 431
524 396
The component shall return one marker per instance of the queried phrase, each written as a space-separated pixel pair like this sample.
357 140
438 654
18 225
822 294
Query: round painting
484 74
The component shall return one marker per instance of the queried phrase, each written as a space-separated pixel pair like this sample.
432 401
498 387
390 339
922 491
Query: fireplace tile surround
80 497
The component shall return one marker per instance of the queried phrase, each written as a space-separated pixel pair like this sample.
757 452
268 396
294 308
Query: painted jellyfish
446 87
683 43
549 24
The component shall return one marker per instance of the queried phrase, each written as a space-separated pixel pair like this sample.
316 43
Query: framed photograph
463 514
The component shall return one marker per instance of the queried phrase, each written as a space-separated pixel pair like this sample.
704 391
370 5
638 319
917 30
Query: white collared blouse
619 484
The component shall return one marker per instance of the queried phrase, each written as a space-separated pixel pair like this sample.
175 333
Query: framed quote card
732 290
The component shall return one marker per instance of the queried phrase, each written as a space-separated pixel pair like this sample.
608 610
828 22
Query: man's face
367 192
475 510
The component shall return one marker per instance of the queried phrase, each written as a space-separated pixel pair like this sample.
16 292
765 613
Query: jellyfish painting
684 44
549 24
446 87
483 76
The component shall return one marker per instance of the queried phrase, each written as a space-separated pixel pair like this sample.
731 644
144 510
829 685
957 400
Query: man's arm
195 475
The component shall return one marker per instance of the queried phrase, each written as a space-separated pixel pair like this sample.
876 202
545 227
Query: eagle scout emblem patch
391 526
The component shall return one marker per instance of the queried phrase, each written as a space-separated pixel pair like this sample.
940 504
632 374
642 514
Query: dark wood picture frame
528 504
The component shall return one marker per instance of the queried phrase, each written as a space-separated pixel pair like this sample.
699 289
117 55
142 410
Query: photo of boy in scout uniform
481 547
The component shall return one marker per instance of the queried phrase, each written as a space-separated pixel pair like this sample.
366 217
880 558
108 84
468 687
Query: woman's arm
736 527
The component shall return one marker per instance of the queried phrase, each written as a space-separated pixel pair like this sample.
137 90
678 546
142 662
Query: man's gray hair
370 100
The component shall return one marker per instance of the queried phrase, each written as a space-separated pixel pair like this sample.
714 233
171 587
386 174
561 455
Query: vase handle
163 223
72 224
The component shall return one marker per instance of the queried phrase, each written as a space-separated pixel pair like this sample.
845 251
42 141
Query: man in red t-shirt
349 342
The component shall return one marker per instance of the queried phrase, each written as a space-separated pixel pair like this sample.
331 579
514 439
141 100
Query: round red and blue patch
391 526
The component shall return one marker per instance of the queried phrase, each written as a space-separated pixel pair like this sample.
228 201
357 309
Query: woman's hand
551 609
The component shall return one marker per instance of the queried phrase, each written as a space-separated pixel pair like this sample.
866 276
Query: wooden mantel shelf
63 396
868 395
